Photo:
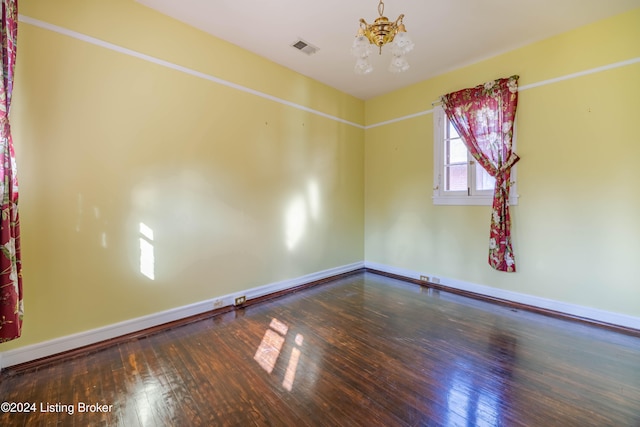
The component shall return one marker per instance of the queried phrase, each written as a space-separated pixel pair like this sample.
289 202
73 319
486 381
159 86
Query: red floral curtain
11 308
484 117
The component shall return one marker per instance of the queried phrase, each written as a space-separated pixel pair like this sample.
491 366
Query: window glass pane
453 133
484 181
455 178
455 152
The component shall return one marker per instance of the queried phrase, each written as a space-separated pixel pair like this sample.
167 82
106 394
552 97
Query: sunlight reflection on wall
300 210
296 220
147 257
204 225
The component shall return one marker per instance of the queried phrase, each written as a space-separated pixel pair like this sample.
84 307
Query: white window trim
441 197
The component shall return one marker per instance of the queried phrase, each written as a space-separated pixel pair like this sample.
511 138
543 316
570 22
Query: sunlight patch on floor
270 349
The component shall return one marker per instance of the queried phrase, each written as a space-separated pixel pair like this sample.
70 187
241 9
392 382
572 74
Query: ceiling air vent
305 47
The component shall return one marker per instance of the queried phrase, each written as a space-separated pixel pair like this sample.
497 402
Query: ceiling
448 34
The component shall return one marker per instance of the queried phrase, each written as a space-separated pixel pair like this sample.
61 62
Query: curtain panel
484 118
11 305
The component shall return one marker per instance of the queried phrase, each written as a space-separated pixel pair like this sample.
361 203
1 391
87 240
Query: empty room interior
217 228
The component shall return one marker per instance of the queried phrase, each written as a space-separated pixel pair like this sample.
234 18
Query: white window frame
470 197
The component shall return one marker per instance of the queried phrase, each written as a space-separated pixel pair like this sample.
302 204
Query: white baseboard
70 342
288 284
544 303
81 339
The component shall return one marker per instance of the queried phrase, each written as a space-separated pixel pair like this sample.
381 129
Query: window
458 178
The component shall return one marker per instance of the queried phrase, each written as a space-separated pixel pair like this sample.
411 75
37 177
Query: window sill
470 200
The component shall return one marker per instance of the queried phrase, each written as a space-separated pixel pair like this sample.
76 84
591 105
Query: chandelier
381 32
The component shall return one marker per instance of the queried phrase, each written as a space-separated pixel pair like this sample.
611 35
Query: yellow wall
240 191
576 232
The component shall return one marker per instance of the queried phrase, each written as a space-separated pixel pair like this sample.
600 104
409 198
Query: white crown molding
400 119
92 40
97 42
581 73
524 87
530 300
81 339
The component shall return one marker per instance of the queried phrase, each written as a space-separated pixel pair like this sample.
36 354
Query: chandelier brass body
379 33
382 31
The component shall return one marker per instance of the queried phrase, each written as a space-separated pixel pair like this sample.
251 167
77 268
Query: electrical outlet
424 278
218 303
240 300
435 280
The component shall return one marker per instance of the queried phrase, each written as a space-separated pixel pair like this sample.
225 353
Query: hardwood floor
363 350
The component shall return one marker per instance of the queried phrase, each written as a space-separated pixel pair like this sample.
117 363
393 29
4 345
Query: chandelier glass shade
379 33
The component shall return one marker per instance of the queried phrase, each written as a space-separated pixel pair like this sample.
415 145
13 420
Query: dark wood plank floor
363 350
